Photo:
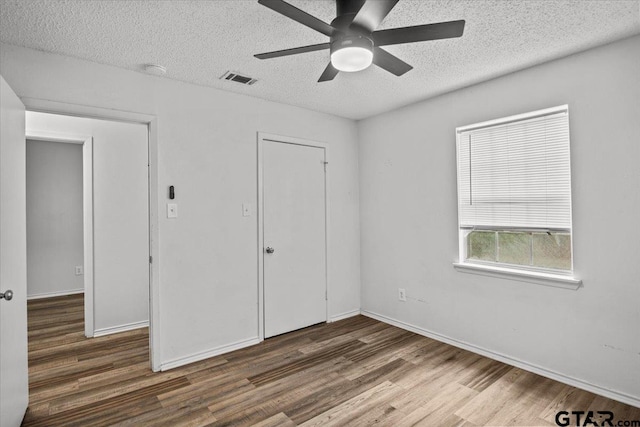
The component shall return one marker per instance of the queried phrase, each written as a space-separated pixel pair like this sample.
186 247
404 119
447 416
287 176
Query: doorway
88 250
116 217
55 230
292 232
59 186
150 125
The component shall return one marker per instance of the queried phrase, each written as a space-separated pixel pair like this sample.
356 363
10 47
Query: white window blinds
515 173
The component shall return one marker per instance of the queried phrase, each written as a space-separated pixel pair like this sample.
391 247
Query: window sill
555 280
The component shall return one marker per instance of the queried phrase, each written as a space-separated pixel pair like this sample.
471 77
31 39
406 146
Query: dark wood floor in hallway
356 372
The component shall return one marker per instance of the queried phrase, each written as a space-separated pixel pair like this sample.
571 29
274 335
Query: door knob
7 295
270 250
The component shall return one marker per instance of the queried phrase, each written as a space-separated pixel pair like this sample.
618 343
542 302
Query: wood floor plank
620 410
272 397
207 393
304 362
455 421
187 400
319 345
115 375
64 389
380 358
438 410
323 399
152 381
198 418
532 398
106 413
569 399
356 371
47 366
349 411
35 386
56 340
375 348
484 374
495 406
432 380
308 405
69 365
488 403
277 420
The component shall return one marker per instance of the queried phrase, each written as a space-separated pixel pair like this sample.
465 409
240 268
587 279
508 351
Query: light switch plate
172 210
246 209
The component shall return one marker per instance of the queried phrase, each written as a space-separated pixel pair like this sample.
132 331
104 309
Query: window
514 194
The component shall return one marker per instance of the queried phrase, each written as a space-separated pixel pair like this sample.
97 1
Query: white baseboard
121 328
196 357
55 294
575 382
344 315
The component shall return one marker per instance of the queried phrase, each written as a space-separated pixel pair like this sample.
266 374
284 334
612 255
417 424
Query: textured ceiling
199 40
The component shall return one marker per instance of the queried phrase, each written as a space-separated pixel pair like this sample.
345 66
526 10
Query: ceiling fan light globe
351 52
351 59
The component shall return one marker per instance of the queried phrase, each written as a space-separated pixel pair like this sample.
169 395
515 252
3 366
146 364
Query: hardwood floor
354 372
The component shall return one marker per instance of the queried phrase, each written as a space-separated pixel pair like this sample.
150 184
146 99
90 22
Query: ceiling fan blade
372 13
419 33
292 51
298 15
387 61
329 73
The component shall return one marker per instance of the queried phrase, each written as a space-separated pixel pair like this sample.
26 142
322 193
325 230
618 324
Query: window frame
528 273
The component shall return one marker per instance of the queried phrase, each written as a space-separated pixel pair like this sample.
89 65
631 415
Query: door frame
87 212
262 137
151 121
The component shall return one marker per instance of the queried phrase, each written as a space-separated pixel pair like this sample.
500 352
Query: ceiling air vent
235 77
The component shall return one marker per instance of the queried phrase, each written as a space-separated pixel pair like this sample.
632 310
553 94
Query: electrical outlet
402 294
78 270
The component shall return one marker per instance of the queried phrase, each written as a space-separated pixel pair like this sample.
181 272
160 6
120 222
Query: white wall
207 150
409 222
54 218
120 215
208 267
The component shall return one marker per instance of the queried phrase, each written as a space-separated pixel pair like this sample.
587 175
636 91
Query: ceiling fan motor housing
351 40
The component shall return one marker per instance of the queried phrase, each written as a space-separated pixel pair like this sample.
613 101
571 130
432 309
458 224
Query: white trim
515 118
259 218
565 379
48 106
52 136
154 248
263 136
344 315
87 111
87 211
196 357
87 218
121 328
546 279
55 294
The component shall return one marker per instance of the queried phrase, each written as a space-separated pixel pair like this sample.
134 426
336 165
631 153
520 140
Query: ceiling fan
354 42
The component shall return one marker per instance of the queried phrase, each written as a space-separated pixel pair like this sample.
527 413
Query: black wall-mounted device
172 194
